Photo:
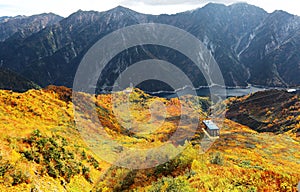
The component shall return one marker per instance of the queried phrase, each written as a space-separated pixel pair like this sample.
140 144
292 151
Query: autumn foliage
42 148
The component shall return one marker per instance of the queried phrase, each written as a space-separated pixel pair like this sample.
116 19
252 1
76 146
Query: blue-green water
206 92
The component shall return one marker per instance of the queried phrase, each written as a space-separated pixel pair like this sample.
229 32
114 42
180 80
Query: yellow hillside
41 147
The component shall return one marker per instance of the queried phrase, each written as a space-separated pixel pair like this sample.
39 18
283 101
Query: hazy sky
66 7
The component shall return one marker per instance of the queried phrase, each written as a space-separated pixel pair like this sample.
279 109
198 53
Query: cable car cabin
211 128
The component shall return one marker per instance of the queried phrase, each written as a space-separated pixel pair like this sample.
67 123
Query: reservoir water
206 92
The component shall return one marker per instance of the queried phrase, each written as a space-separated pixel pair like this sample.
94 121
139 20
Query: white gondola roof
210 125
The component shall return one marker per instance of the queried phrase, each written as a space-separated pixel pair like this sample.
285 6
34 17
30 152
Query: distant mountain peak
50 14
214 5
121 9
281 13
24 26
80 11
243 5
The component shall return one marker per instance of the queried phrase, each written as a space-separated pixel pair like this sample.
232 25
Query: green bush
170 184
53 154
94 162
18 177
217 159
247 164
4 167
85 170
52 172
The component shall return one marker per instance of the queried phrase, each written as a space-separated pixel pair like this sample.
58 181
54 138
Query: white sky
66 7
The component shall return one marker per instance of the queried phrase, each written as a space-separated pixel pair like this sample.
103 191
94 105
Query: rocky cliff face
250 45
272 53
22 26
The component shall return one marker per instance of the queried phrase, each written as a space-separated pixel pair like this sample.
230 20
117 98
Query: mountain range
250 45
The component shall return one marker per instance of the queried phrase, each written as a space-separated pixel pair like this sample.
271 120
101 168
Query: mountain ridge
26 25
56 51
261 111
